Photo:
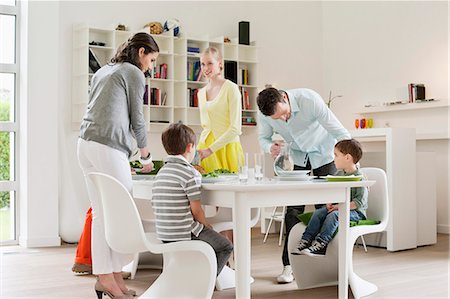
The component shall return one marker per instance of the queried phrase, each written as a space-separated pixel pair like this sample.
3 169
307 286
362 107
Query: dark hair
268 99
129 50
352 147
176 138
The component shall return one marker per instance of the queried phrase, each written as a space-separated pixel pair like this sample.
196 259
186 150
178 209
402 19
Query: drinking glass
259 166
243 168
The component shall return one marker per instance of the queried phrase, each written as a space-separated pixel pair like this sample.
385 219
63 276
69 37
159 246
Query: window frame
13 126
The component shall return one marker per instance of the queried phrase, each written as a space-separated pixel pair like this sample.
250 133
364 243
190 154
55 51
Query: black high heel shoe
100 290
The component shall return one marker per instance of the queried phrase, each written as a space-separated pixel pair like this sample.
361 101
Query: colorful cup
356 123
362 123
370 123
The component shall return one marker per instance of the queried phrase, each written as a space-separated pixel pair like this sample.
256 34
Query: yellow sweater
222 115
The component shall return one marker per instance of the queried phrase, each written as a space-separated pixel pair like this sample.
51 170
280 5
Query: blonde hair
215 53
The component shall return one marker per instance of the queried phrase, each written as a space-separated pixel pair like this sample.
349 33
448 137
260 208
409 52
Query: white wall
372 50
358 49
38 134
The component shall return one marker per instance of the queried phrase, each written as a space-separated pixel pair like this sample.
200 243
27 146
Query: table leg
344 253
242 243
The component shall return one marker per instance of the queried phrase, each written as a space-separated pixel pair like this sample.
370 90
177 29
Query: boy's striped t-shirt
175 185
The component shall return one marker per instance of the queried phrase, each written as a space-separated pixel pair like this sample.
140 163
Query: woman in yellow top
220 106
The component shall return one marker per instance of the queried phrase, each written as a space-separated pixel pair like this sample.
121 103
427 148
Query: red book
196 97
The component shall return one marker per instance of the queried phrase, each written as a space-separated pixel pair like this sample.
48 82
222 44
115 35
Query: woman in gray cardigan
113 119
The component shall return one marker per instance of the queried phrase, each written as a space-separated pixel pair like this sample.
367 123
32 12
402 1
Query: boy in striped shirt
176 196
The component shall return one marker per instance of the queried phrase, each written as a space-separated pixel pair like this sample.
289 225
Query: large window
9 68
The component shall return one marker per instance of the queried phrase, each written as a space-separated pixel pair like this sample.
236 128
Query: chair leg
270 224
281 232
364 243
267 230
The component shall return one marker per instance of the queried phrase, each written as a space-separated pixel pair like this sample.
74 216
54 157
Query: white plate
294 178
220 178
296 173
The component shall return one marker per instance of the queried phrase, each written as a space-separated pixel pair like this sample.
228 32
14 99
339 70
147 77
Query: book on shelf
416 92
194 50
245 99
146 95
193 70
192 97
163 71
243 76
155 96
164 99
94 62
230 71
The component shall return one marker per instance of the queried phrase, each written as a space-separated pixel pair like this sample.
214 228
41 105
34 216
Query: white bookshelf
173 52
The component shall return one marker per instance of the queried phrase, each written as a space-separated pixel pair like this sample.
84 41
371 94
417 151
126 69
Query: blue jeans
221 245
290 219
323 224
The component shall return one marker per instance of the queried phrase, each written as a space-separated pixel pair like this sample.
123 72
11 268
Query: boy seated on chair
324 222
176 196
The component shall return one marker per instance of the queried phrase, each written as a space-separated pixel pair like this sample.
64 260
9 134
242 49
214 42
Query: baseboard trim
443 229
39 242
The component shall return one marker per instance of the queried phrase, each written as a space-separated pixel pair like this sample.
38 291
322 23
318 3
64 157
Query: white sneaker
286 276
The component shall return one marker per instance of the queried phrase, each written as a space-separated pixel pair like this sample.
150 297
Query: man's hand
276 148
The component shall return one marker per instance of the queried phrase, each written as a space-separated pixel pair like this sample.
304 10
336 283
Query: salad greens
216 173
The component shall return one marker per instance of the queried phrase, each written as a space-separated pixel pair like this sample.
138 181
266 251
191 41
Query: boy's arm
193 192
359 198
198 213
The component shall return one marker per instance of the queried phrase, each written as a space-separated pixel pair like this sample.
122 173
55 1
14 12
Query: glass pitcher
283 162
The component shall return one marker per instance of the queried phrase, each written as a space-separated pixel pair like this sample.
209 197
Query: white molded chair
222 221
145 260
311 272
279 217
184 259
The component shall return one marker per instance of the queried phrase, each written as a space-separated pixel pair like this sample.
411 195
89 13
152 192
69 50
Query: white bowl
293 173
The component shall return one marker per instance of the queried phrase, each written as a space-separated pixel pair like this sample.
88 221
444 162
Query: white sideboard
412 215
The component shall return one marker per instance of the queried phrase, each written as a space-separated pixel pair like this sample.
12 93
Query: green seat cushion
306 217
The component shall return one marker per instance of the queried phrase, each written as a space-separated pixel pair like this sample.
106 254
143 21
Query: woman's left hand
205 153
147 168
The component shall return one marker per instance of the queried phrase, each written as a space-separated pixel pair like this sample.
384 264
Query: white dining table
241 197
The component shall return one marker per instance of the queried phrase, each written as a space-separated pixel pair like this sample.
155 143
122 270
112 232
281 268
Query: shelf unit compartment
102 55
179 46
179 115
247 54
166 90
160 115
165 43
179 67
179 99
102 36
251 74
194 43
230 52
248 118
251 93
163 59
193 116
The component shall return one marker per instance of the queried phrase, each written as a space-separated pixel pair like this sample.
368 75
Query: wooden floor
419 273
